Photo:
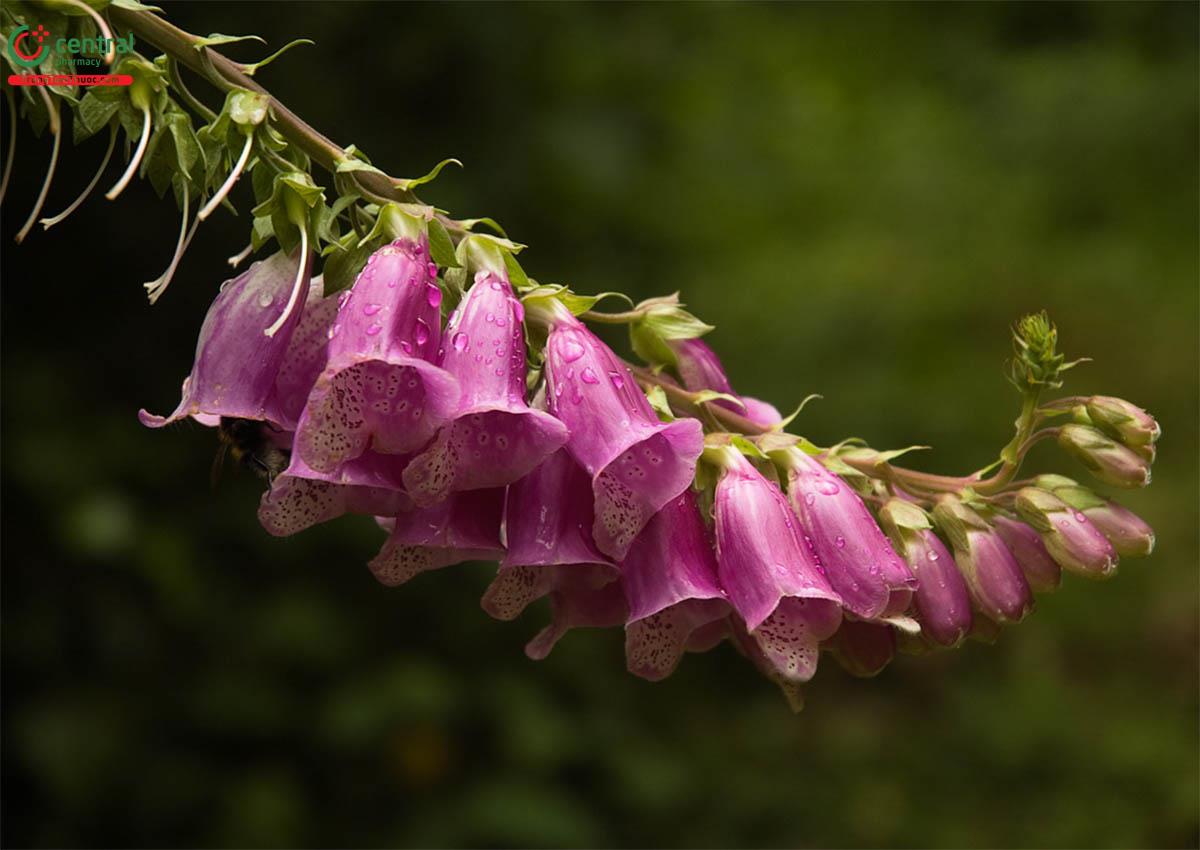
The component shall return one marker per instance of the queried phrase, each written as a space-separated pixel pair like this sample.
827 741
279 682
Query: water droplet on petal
433 294
422 332
617 380
809 498
495 284
571 351
1079 516
588 376
406 346
371 309
490 317
432 269
374 329
460 341
839 542
265 299
932 555
828 488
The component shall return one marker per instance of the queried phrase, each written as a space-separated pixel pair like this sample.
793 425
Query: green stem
685 400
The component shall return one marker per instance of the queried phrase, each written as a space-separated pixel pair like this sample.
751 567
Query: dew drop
432 269
371 309
1079 516
828 488
495 284
839 542
422 332
460 341
932 555
478 358
617 380
433 294
499 373
809 498
571 351
265 299
406 346
500 321
374 329
588 376
490 317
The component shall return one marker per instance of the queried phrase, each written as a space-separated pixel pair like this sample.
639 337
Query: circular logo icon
27 47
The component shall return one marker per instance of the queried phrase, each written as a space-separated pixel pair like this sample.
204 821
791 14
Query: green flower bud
1109 461
1123 421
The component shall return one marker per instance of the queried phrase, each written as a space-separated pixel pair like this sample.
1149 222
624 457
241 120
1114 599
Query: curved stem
56 129
623 318
215 200
135 161
729 420
185 93
47 223
297 285
238 258
111 53
155 288
12 143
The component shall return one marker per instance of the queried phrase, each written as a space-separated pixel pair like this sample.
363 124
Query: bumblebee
251 445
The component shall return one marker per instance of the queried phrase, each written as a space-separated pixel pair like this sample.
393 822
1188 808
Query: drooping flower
496 437
548 529
1129 534
994 578
774 582
858 560
1070 538
463 527
670 582
1109 461
578 600
301 497
637 463
863 649
942 603
1041 570
700 368
378 389
237 365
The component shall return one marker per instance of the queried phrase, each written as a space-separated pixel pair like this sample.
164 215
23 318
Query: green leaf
676 323
218 38
350 164
251 69
420 181
91 115
262 232
441 247
342 267
135 6
649 346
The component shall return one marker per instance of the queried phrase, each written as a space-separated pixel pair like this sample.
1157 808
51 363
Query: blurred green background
862 198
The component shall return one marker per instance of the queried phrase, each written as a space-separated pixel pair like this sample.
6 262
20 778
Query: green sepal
346 260
247 108
91 115
658 401
791 417
411 183
216 38
469 224
441 246
705 396
253 68
399 221
291 206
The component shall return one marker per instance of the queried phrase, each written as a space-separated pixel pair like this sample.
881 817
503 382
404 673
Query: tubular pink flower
1041 570
576 602
858 560
548 526
463 527
237 366
941 601
1129 534
774 582
497 437
670 580
301 497
378 389
700 368
863 649
637 463
994 578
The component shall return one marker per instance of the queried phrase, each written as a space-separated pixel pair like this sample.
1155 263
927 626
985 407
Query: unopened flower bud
1041 570
993 576
1109 461
1129 534
1123 421
941 600
1070 538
